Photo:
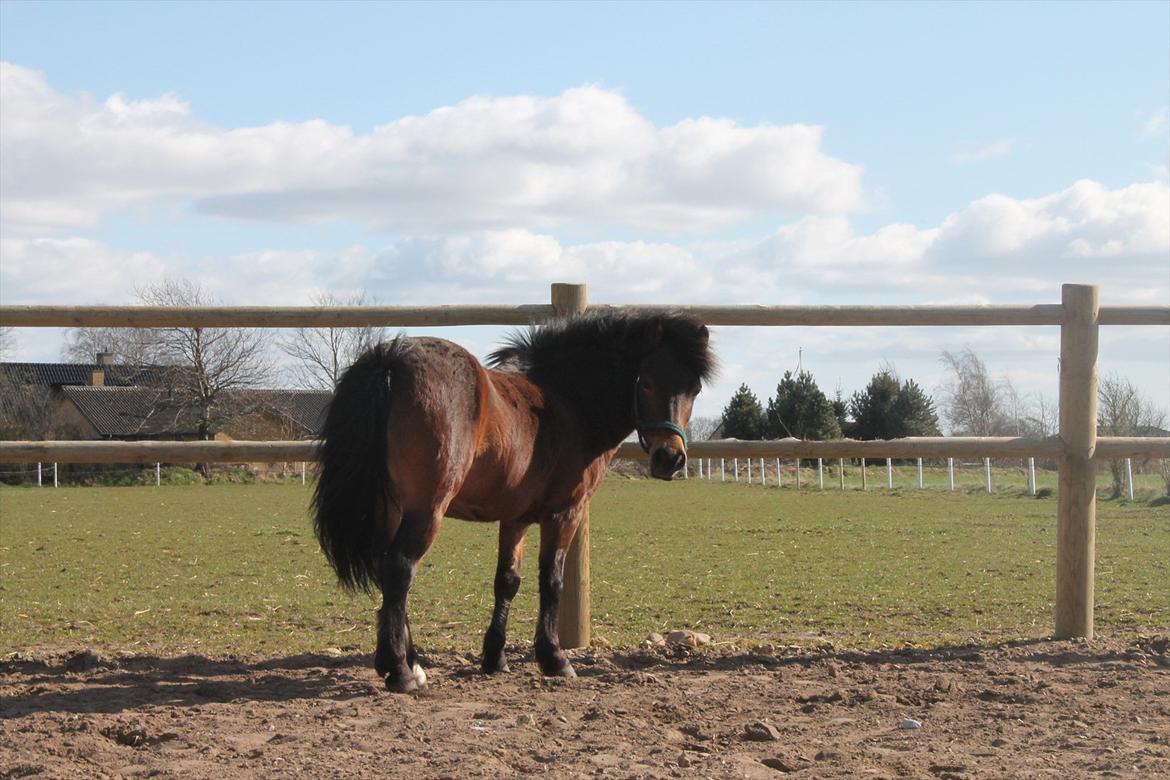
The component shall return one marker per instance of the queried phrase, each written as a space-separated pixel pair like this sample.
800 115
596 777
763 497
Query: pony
418 430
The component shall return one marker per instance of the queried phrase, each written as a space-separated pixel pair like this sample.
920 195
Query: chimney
105 358
97 378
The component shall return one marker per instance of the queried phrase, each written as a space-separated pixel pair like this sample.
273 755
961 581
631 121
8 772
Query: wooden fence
1078 315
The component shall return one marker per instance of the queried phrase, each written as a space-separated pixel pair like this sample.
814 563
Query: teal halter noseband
640 426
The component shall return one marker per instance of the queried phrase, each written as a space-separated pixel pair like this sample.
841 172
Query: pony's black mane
573 346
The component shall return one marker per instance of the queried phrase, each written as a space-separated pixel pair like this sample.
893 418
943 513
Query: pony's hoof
414 681
408 685
495 667
566 671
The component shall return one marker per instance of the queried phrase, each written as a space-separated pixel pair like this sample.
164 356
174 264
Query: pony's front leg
556 534
507 583
395 658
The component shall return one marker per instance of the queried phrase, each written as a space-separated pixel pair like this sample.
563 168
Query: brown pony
419 430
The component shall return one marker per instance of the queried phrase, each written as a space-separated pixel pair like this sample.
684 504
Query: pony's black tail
353 485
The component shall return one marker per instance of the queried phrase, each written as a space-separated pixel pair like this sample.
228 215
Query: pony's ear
704 335
651 336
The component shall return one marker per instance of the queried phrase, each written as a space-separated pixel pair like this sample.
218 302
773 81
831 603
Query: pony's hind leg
395 658
506 584
556 533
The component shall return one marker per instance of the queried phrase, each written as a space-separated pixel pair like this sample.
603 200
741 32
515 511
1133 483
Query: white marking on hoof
419 675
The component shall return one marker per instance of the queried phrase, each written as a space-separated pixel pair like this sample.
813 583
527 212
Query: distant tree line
972 401
887 408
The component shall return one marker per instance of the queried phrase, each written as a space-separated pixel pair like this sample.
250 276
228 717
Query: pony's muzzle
666 461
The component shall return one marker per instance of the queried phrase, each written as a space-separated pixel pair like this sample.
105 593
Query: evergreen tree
887 409
841 412
914 411
873 409
743 417
801 410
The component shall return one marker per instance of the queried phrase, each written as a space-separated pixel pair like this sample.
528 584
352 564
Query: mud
1031 709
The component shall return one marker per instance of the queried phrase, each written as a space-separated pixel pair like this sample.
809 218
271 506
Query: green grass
235 568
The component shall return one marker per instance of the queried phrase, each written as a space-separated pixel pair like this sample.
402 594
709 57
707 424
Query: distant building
106 401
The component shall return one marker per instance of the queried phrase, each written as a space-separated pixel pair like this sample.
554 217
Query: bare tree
129 346
974 403
7 341
208 363
323 353
702 428
1044 417
1122 411
27 412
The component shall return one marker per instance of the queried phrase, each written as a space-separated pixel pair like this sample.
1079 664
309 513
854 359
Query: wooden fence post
574 629
1077 495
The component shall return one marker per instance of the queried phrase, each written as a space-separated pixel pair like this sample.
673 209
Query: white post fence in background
1076 448
821 474
1031 475
987 474
889 473
920 473
1128 476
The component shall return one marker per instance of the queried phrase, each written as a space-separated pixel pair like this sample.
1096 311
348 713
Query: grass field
235 568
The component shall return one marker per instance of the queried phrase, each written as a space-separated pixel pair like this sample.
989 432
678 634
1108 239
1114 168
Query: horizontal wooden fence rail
1078 315
524 314
305 450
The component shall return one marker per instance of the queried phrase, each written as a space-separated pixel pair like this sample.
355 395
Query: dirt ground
1032 709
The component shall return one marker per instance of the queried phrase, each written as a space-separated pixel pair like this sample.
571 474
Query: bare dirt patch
1035 709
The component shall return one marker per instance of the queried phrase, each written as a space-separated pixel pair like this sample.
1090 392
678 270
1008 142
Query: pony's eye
647 385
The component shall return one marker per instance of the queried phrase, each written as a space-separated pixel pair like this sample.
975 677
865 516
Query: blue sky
738 153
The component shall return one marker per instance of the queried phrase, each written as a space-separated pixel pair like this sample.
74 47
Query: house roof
68 374
152 412
131 411
304 408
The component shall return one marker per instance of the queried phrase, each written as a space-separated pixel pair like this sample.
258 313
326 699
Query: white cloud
1000 148
1072 231
996 250
73 270
485 163
1156 124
